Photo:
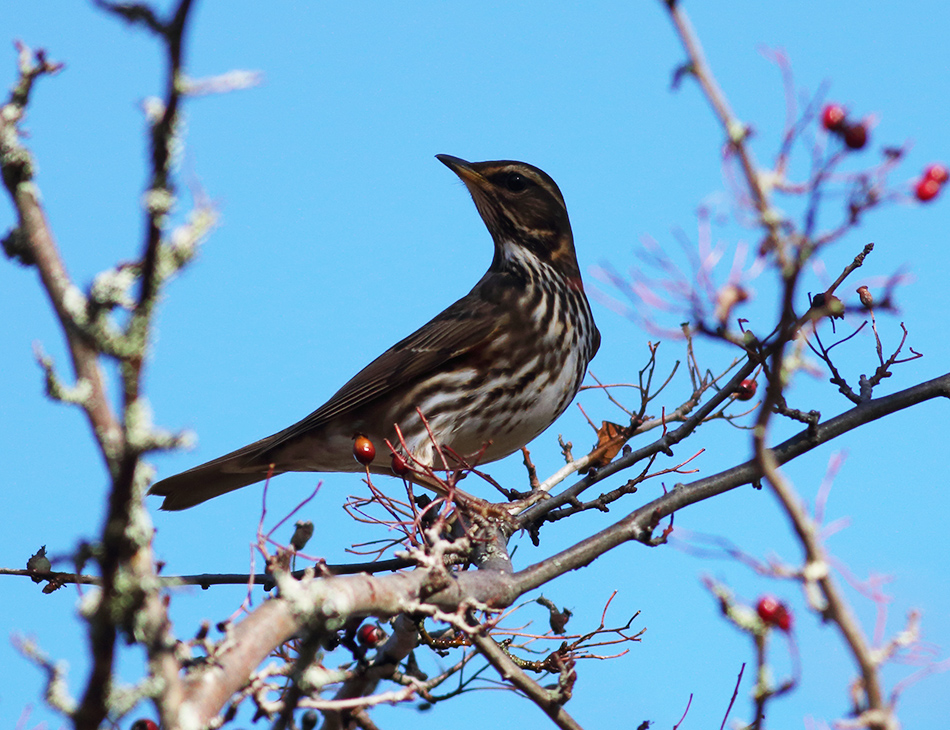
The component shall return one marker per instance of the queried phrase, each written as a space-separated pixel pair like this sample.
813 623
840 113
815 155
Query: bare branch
510 671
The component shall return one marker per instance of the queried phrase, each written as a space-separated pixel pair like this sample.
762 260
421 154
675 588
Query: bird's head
523 210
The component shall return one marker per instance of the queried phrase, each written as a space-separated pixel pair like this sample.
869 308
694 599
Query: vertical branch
129 600
32 243
736 131
791 252
124 549
836 609
163 132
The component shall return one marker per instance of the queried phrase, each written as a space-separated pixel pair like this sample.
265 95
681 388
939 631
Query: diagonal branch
664 445
510 671
639 525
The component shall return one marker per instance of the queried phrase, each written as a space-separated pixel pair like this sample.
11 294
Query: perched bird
489 373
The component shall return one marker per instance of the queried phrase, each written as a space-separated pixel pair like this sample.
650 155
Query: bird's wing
465 326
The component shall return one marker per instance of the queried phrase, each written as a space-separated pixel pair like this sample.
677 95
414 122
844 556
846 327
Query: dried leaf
611 437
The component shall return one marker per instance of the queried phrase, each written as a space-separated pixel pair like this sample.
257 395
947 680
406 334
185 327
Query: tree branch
510 671
639 525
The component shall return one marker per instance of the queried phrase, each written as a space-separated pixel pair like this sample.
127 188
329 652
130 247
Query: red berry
937 172
363 450
144 724
746 390
774 613
833 117
856 135
370 635
399 466
927 189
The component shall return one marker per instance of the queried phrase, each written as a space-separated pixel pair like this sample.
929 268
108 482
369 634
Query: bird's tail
225 474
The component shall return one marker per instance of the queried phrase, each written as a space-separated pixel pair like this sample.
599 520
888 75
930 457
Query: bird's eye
516 182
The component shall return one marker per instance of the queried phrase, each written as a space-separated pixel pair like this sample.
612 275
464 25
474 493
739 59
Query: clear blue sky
340 233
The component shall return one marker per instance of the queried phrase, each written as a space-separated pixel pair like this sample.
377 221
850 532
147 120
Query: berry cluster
834 118
931 181
364 451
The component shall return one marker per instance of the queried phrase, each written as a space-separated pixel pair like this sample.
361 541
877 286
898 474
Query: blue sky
340 233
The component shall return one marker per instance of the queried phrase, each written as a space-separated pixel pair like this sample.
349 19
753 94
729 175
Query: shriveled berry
309 720
927 189
39 563
833 117
370 635
746 390
855 135
775 613
363 450
303 531
399 466
937 172
865 295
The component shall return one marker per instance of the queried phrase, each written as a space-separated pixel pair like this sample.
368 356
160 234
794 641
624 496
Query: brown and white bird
489 373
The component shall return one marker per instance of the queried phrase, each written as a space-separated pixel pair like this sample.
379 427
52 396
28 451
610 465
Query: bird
488 374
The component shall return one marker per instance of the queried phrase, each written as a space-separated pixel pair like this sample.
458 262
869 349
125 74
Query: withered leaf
611 437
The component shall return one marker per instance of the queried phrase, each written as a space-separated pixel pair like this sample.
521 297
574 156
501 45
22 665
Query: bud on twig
726 298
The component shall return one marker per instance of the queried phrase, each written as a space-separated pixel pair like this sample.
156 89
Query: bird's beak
463 169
